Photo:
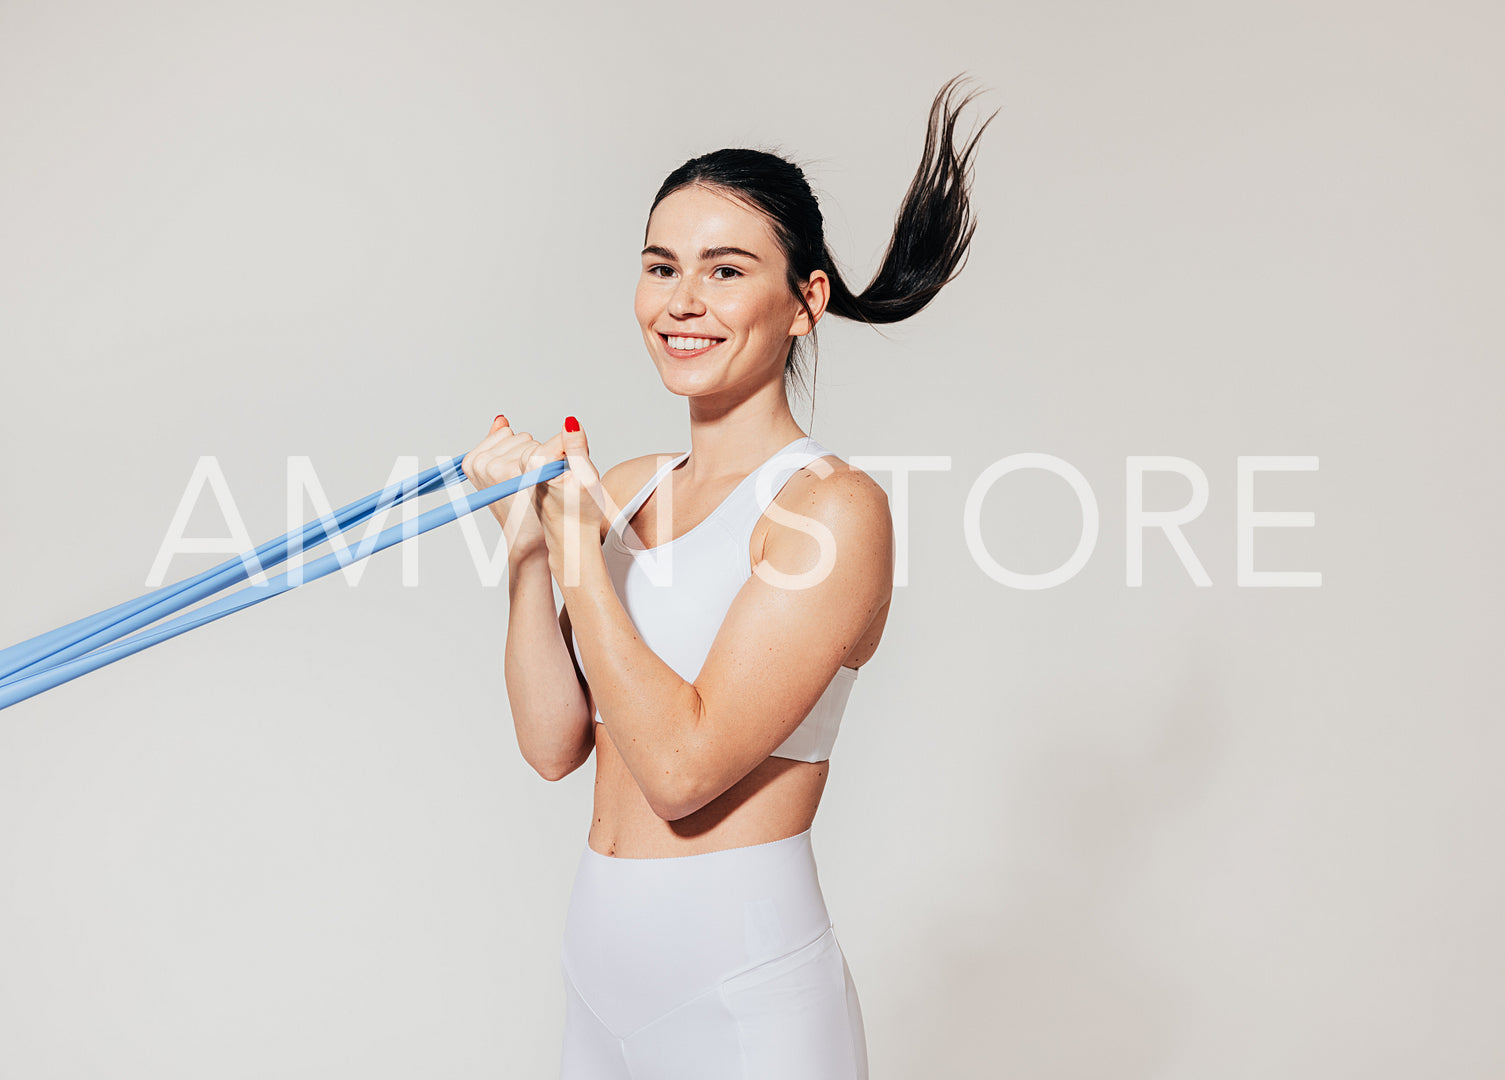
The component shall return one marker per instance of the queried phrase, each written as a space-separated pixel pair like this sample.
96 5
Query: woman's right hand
500 456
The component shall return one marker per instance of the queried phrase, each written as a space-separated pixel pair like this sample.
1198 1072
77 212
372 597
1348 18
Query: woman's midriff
778 798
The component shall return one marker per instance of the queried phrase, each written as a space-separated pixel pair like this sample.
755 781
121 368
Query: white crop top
678 593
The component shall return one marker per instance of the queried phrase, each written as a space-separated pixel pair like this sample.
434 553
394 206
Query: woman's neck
734 445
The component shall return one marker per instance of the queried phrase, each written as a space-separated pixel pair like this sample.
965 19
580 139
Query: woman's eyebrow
706 255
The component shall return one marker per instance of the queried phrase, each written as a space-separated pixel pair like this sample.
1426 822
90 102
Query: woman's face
713 299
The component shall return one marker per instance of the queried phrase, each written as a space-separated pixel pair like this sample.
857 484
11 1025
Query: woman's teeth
689 344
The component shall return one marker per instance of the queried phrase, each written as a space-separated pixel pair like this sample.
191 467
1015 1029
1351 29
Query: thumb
577 451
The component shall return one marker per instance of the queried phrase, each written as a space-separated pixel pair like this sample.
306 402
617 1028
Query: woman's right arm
550 710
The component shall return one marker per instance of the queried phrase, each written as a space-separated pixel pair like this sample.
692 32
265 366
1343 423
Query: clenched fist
573 506
503 455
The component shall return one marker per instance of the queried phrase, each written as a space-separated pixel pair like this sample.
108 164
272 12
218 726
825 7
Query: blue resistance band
53 658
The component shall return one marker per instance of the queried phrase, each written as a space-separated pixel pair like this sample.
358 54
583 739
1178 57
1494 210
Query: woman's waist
778 798
717 910
644 837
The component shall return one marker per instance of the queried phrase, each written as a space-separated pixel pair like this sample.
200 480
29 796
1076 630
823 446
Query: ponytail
932 229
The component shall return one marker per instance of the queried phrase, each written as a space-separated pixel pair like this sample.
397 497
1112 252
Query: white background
1165 831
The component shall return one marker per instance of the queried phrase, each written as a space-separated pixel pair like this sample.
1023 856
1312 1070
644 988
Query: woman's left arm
827 569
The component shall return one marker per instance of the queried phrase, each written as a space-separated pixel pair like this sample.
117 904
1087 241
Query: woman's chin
688 383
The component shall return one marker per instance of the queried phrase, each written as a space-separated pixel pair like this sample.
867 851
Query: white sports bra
678 593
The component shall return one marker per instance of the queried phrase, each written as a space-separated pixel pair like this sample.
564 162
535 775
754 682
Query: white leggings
723 964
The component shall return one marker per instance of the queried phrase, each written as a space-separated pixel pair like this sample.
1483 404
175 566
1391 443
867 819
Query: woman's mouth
683 347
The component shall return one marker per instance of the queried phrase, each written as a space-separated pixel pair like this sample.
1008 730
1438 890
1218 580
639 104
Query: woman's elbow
684 784
670 809
557 768
680 793
554 770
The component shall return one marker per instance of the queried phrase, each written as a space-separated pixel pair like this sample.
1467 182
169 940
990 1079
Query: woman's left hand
571 504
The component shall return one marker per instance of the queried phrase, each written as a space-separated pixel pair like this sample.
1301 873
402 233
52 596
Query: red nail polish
499 416
571 424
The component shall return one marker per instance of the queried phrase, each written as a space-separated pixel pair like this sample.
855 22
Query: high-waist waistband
680 924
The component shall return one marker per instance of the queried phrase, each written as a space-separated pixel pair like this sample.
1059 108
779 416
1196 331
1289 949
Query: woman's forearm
549 708
649 709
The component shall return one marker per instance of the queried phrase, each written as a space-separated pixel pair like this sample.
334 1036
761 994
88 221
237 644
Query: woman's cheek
645 304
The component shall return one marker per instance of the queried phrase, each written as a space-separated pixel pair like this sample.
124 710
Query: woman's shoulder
831 478
852 510
838 494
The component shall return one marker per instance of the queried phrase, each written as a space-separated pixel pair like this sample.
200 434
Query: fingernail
499 416
571 424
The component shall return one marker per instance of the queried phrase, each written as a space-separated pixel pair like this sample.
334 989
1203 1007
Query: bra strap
634 504
768 481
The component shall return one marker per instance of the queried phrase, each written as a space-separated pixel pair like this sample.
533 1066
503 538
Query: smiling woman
718 604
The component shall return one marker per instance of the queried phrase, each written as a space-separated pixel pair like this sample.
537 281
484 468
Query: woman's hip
643 936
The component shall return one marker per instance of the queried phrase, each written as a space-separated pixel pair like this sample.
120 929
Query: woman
717 607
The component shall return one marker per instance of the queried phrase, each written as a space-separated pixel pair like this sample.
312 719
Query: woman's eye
732 270
653 271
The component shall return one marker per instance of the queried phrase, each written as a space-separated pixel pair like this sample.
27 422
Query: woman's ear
817 294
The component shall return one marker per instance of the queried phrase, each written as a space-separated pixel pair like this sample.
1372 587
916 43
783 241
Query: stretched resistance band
53 658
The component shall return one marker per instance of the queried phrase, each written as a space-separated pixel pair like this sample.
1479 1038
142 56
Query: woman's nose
686 298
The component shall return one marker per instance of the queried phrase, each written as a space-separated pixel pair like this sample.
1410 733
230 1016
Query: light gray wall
1088 831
